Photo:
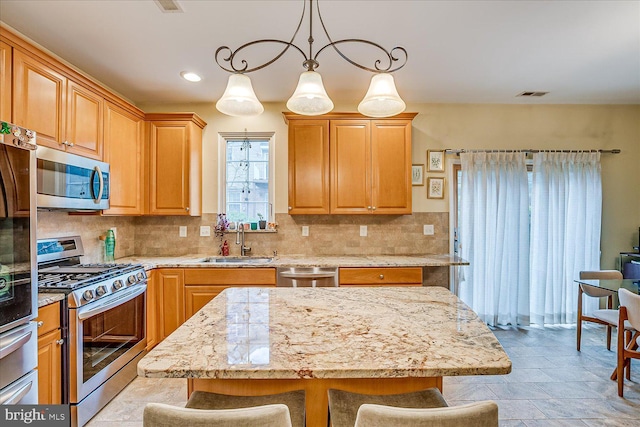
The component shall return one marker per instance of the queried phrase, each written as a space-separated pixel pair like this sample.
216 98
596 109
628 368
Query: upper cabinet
175 163
5 81
124 151
309 167
368 169
66 115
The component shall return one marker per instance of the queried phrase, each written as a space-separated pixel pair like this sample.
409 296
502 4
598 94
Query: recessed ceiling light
192 77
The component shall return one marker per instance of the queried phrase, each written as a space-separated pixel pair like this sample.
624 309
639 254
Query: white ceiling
582 52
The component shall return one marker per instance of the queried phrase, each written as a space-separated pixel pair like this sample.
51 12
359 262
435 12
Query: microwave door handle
101 179
125 297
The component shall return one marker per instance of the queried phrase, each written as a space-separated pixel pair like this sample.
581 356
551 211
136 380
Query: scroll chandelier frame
392 60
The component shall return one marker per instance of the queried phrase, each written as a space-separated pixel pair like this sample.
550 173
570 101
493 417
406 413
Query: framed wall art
417 175
435 188
435 161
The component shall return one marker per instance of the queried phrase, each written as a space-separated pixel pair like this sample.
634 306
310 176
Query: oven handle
11 397
86 312
10 345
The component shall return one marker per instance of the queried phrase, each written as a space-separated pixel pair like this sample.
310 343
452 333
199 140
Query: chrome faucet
240 240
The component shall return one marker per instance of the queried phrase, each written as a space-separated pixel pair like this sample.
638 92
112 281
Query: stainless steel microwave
70 182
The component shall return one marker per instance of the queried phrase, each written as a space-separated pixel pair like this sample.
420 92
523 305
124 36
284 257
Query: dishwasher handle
307 276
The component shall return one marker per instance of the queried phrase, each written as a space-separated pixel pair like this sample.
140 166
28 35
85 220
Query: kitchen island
373 340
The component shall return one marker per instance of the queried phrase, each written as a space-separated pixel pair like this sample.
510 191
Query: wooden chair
161 415
344 405
478 414
627 349
607 317
293 400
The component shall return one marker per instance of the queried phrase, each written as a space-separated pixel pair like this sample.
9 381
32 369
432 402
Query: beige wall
440 126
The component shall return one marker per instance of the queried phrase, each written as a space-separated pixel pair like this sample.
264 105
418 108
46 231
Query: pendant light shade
310 98
382 99
239 99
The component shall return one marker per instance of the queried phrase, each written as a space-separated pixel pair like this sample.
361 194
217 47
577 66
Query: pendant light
382 99
310 98
239 99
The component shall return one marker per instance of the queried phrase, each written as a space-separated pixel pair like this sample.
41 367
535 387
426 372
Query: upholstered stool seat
477 414
161 415
294 400
344 405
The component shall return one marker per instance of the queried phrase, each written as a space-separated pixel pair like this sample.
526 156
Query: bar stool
161 415
477 414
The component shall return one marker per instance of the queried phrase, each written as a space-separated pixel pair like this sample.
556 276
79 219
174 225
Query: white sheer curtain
494 236
565 232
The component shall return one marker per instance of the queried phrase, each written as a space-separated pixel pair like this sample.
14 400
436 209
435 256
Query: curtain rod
457 151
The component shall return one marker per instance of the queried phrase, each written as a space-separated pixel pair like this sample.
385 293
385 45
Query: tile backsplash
328 235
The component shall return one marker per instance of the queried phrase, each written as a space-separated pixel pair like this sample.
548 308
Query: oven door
18 294
103 338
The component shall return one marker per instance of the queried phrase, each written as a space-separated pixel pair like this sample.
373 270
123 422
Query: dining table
375 340
614 285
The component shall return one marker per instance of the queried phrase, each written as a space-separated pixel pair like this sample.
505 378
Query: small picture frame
435 188
417 175
435 161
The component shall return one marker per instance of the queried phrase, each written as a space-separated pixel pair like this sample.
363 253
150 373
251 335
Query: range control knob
87 295
131 279
101 290
117 284
140 275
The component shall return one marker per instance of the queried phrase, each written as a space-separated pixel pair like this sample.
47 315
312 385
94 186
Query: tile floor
551 385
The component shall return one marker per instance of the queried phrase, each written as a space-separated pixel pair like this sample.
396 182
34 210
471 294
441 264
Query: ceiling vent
169 6
530 94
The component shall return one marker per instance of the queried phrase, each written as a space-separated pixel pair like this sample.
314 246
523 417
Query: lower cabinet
169 285
383 276
152 310
49 355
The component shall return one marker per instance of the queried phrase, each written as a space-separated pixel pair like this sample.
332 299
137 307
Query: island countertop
197 260
315 333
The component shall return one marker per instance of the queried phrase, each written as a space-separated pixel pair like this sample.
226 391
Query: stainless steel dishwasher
307 277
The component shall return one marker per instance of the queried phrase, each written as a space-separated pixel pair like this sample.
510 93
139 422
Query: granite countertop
196 260
286 333
46 298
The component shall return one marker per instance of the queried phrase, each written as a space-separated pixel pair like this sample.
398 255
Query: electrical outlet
305 231
183 231
428 230
115 232
363 231
205 231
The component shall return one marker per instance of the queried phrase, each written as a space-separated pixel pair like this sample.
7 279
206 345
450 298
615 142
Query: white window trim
223 137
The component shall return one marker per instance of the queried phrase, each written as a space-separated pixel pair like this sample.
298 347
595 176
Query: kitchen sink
237 260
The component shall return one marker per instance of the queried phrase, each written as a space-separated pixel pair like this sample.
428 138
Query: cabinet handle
40 323
60 341
186 209
382 276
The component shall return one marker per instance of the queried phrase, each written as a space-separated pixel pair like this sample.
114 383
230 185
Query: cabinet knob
382 276
290 208
40 323
186 209
369 207
374 208
70 144
60 341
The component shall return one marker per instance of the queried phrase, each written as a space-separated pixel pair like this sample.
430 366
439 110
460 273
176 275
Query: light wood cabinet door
308 167
197 297
123 150
350 166
50 368
49 355
170 293
175 164
84 121
391 167
5 82
39 95
152 311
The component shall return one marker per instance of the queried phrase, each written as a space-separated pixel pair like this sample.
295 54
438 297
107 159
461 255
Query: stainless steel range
106 331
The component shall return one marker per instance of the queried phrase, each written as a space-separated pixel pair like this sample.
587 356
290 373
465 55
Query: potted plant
262 223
